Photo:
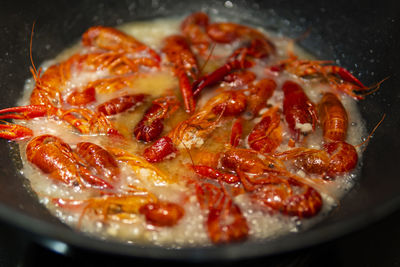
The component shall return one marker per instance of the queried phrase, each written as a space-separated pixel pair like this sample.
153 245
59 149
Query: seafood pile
209 136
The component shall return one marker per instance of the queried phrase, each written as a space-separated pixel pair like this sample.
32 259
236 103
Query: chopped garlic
303 127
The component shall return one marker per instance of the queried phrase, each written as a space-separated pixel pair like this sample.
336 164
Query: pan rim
50 236
44 231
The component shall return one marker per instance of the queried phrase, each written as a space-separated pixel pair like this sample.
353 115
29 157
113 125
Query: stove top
376 245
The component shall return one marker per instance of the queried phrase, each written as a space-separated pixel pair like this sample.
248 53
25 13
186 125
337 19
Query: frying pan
361 36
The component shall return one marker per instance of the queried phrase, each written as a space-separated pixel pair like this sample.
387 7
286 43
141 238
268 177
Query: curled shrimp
266 135
299 111
333 118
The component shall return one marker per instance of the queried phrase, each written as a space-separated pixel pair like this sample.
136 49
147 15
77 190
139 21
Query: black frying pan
362 36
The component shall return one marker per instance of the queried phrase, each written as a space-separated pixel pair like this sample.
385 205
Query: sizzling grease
191 229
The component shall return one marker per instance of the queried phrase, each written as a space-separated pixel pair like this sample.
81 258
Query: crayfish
240 127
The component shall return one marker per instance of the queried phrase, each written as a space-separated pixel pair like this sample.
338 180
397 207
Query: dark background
363 36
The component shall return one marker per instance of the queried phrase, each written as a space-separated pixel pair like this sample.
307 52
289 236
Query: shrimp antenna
188 151
208 57
290 46
373 131
372 89
304 35
34 72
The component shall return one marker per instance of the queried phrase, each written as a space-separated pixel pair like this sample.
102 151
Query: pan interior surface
360 37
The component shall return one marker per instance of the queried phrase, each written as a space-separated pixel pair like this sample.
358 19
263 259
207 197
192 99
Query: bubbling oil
191 229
